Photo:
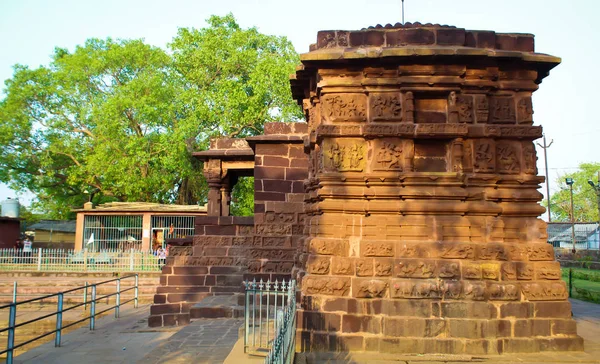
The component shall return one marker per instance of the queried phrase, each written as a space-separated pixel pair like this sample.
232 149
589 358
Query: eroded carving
344 155
371 288
524 110
385 106
502 109
347 107
508 158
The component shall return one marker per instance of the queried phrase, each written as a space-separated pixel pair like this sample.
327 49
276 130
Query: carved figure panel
484 156
464 105
344 107
529 158
415 268
474 290
371 288
544 291
481 108
524 110
390 154
343 155
502 109
385 106
504 292
508 157
326 285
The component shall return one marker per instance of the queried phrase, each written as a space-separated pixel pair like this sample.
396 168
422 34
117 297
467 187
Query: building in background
587 235
10 230
53 234
133 225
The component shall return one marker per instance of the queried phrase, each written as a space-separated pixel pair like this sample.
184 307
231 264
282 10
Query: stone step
220 306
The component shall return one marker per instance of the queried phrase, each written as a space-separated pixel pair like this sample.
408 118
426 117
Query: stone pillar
225 197
212 172
422 196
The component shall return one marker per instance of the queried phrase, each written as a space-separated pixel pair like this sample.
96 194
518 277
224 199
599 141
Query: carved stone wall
423 233
281 168
227 249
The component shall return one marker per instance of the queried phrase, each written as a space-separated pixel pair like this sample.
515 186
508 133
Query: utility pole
596 188
570 182
546 146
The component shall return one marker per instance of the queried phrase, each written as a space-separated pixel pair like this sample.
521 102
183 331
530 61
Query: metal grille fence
270 320
58 260
169 227
587 235
102 232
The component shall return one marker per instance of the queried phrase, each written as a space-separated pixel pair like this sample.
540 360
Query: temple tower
423 229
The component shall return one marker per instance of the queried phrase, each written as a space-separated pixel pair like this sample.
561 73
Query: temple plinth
423 228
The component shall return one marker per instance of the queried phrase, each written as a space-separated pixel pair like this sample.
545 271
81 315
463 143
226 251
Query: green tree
584 196
118 119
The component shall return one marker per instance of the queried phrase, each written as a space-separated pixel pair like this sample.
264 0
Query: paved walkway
203 341
129 340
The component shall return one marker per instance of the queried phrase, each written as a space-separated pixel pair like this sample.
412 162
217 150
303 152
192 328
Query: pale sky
565 104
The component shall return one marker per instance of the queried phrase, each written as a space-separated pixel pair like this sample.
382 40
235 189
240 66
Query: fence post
12 317
85 259
93 309
59 313
570 281
117 306
39 262
85 296
15 292
131 260
135 299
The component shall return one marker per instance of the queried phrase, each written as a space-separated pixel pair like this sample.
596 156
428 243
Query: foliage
584 196
242 197
118 119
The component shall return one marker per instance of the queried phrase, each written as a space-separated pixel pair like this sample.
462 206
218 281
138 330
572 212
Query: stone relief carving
529 158
346 107
457 155
474 290
481 108
543 291
326 285
484 158
502 109
384 268
409 107
464 104
508 158
389 155
415 269
524 110
504 292
364 267
344 155
371 289
385 106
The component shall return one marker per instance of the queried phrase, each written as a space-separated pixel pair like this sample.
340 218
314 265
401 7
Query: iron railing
12 325
270 320
55 260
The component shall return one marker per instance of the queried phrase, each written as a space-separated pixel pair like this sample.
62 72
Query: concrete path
125 340
129 340
203 341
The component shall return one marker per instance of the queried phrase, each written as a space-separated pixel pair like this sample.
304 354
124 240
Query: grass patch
586 285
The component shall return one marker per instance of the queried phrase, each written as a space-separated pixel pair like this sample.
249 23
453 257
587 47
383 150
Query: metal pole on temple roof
402 12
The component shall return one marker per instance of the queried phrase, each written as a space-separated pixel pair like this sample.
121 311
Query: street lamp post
597 190
569 182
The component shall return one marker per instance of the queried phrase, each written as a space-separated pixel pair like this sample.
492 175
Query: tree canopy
118 119
585 205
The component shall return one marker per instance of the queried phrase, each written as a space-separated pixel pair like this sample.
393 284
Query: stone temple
407 207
